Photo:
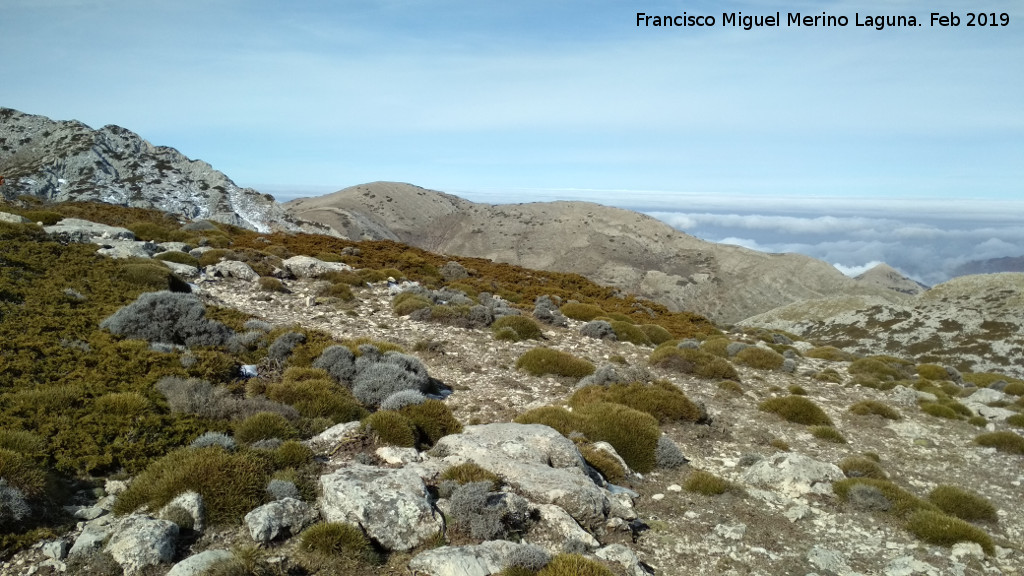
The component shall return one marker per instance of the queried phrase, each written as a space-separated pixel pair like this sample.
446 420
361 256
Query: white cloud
852 271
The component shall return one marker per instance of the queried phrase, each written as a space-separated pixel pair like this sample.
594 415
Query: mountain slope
618 247
66 160
885 276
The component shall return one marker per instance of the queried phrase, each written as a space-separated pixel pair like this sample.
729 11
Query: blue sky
513 101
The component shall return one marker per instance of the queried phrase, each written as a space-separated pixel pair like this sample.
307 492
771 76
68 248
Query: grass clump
1017 420
629 332
903 502
271 284
661 399
830 353
939 410
760 358
603 462
582 312
471 472
541 360
516 328
327 543
730 387
829 375
655 333
178 258
406 303
796 409
868 407
1004 441
340 290
707 483
432 420
942 530
963 504
391 428
875 368
932 372
574 565
828 434
862 467
797 390
556 417
696 362
264 426
717 346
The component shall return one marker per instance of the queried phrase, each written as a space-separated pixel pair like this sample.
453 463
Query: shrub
292 454
903 502
598 329
373 384
522 328
861 467
633 434
403 398
938 410
761 358
941 530
14 507
391 428
662 399
280 489
168 317
655 334
830 353
338 361
602 461
870 498
433 420
485 515
47 217
341 291
178 258
271 284
582 312
1016 420
530 558
211 257
730 387
574 565
540 361
706 483
932 372
718 346
868 407
796 409
696 362
963 504
471 472
668 455
329 541
263 426
1004 441
556 417
628 332
798 390
23 442
196 396
317 398
214 439
231 484
283 346
828 434
829 375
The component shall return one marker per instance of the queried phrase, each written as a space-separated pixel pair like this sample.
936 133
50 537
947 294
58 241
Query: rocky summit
298 404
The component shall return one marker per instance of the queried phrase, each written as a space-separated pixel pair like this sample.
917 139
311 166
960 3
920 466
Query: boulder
232 269
557 532
83 231
13 218
987 396
138 541
307 267
535 460
272 519
622 555
396 455
174 247
182 270
793 474
93 534
482 559
391 505
192 503
328 438
125 248
200 563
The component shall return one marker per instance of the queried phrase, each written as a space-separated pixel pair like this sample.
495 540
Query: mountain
612 246
991 266
970 322
67 160
885 276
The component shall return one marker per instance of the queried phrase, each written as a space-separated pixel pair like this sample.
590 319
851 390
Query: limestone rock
621 554
557 532
232 269
793 474
308 267
84 231
397 455
125 249
139 541
182 270
13 218
328 438
390 504
483 559
192 503
200 563
272 519
93 534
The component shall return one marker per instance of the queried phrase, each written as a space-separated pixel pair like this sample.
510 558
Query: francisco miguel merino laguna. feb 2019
823 20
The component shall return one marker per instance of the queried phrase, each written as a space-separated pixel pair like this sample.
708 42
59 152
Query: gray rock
535 460
174 247
987 396
84 231
192 503
557 532
731 531
56 549
902 396
482 559
621 554
200 563
827 560
789 365
735 348
272 519
865 497
793 474
391 505
396 456
139 541
232 269
907 566
328 438
991 413
93 535
307 267
123 249
13 218
182 270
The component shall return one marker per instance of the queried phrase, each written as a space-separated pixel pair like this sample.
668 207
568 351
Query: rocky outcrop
275 518
481 559
308 267
139 541
794 474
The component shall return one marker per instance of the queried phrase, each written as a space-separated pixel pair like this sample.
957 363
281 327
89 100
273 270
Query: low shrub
341 291
941 530
862 467
292 454
574 565
1017 420
409 304
797 390
828 434
718 346
760 358
520 327
731 387
433 420
829 375
271 284
471 472
938 410
582 312
668 454
338 361
169 317
602 461
903 502
868 407
317 397
598 329
628 332
932 372
263 426
830 353
178 258
875 368
1004 441
706 483
540 361
556 417
483 515
796 409
696 362
661 399
655 333
332 541
633 434
403 398
963 504
391 428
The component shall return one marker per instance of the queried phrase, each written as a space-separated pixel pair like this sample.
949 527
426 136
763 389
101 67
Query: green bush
263 426
178 258
696 362
830 353
963 504
706 483
828 434
574 565
662 399
731 387
211 257
391 428
938 410
628 332
340 291
868 407
152 276
903 502
582 312
556 417
317 397
796 409
603 462
1017 420
716 346
862 467
932 372
405 303
432 420
1004 441
941 530
875 368
271 284
47 217
540 361
797 390
332 541
633 434
292 454
471 472
761 358
522 328
655 333
231 484
829 375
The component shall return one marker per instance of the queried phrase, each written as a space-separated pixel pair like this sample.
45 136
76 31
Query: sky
847 143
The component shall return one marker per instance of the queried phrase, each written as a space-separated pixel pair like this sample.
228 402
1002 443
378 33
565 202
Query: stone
123 249
272 519
200 563
307 267
731 531
990 413
56 549
83 231
13 218
328 438
483 559
182 270
92 536
391 505
907 566
902 396
828 561
397 456
987 396
557 532
174 247
621 506
535 460
192 503
962 551
610 450
797 512
675 488
139 541
793 474
621 554
232 269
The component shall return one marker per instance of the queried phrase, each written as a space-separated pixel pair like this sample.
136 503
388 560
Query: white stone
827 560
621 554
192 503
731 531
483 559
139 541
556 531
13 218
658 497
794 474
967 550
232 269
200 563
270 520
308 267
334 434
907 566
397 456
675 488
